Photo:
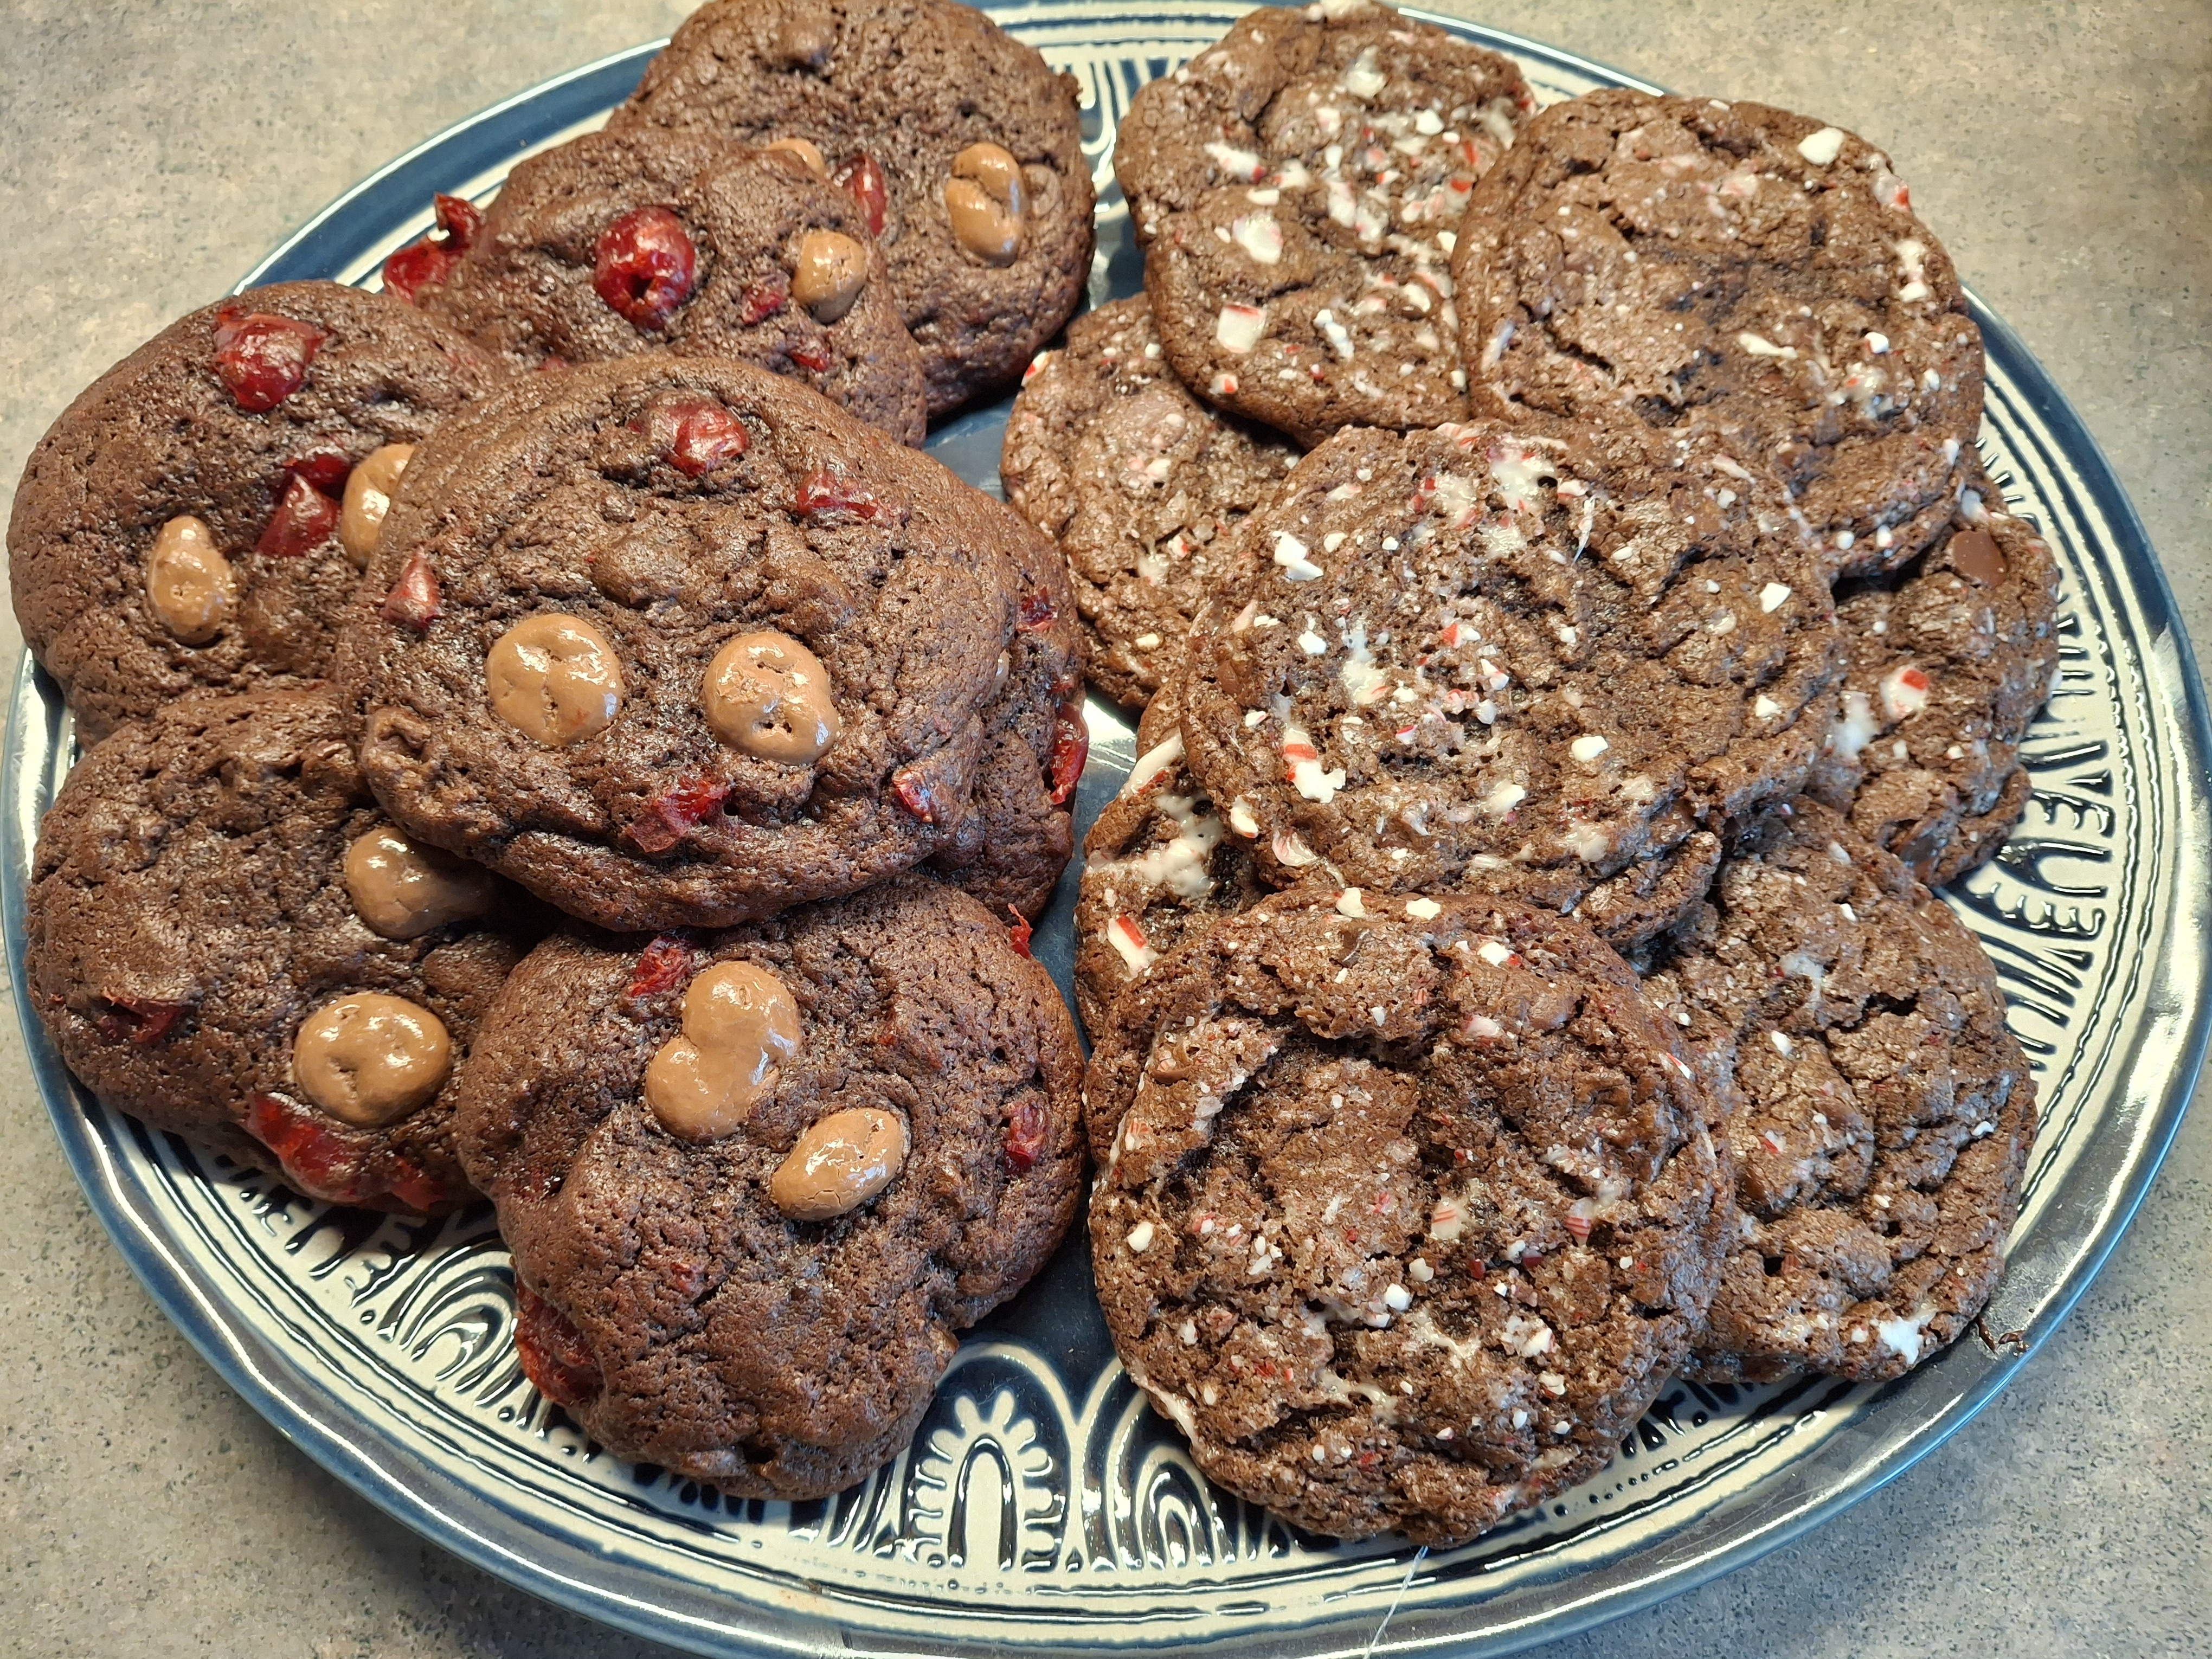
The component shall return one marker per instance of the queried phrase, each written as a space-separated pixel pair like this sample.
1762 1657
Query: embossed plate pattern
1042 1506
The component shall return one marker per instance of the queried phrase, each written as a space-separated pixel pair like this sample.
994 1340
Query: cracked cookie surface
1882 1113
1739 269
1409 1207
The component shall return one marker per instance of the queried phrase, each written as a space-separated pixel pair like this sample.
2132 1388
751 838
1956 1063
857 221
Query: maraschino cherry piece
554 1354
1025 1130
414 600
430 261
1071 749
303 520
862 179
707 435
643 266
262 358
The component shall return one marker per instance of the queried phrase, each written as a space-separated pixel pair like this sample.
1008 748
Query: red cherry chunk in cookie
430 261
1071 749
662 966
325 468
762 301
1025 1130
683 805
643 266
913 788
862 179
262 358
304 519
146 1021
1037 611
414 600
707 435
827 497
326 1160
555 1357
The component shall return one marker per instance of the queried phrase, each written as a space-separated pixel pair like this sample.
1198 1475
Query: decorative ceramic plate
1042 1506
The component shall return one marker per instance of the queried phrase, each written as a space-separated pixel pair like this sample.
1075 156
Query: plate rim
457 1517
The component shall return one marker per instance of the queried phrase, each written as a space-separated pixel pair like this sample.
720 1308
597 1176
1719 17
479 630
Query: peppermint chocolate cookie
198 518
616 243
1159 867
1299 185
674 641
1532 661
1735 268
756 1182
1948 663
1138 482
1883 1112
228 940
961 144
1410 1206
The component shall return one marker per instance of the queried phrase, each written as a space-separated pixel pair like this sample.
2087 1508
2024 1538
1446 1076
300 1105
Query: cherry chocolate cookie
1009 851
756 1182
621 242
1739 269
1410 1206
1552 665
198 518
674 641
1140 483
230 942
1299 186
1882 1113
1949 661
962 145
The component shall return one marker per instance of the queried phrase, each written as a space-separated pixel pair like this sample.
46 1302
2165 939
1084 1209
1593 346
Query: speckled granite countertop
150 153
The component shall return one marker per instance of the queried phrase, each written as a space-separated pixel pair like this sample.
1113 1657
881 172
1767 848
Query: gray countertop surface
151 153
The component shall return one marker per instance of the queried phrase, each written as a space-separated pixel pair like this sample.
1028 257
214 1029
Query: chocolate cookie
198 518
616 243
1948 663
754 1182
674 641
1735 268
1011 849
964 147
228 940
1883 1112
1534 662
1410 1206
1159 867
1299 185
1139 484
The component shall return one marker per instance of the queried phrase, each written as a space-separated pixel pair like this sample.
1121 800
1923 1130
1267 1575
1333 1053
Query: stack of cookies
554 740
1573 630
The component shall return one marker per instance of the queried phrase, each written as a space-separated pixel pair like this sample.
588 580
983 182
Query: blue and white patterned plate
1042 1507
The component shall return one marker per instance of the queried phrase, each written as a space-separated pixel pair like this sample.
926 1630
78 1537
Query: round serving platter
1042 1506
